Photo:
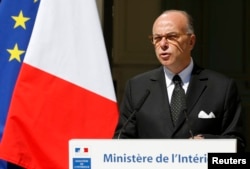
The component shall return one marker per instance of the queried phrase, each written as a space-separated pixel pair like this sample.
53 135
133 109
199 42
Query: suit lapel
161 99
197 86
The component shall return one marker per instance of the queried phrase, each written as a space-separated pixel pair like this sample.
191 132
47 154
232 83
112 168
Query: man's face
172 42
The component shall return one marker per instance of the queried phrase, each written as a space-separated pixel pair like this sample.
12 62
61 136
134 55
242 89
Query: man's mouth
164 55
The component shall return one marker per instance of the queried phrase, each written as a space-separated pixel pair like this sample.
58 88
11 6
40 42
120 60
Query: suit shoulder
205 73
144 80
220 80
151 74
211 74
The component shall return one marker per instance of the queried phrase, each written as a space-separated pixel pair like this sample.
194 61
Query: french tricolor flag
64 89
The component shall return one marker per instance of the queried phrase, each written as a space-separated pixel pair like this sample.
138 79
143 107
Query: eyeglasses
172 36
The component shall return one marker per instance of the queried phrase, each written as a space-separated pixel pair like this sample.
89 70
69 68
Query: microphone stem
125 124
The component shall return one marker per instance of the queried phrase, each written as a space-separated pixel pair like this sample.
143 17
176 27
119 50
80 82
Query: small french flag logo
81 151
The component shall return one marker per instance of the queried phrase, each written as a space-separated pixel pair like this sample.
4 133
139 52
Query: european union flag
16 23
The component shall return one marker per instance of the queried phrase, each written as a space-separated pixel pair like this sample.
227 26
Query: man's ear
192 41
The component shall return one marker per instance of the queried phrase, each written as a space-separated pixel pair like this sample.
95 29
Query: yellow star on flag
20 20
35 1
15 53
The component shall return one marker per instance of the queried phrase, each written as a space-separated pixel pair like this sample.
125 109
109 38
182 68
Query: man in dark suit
212 107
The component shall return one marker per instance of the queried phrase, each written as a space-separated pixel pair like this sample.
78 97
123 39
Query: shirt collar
184 74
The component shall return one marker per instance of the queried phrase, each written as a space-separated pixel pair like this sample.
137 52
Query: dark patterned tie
178 98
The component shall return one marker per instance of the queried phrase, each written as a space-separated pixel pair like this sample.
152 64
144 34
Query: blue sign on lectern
81 163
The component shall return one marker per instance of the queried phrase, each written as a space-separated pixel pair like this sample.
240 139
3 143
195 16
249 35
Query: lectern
145 153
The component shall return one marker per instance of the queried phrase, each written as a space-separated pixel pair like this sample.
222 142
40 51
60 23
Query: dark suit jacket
208 91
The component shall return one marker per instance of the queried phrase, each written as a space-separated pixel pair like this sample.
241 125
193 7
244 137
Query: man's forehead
166 26
170 22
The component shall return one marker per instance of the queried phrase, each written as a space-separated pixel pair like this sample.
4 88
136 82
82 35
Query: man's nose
164 43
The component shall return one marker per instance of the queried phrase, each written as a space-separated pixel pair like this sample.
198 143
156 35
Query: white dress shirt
184 75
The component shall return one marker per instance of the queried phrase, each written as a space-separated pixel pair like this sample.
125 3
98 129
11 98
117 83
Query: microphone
137 108
187 120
